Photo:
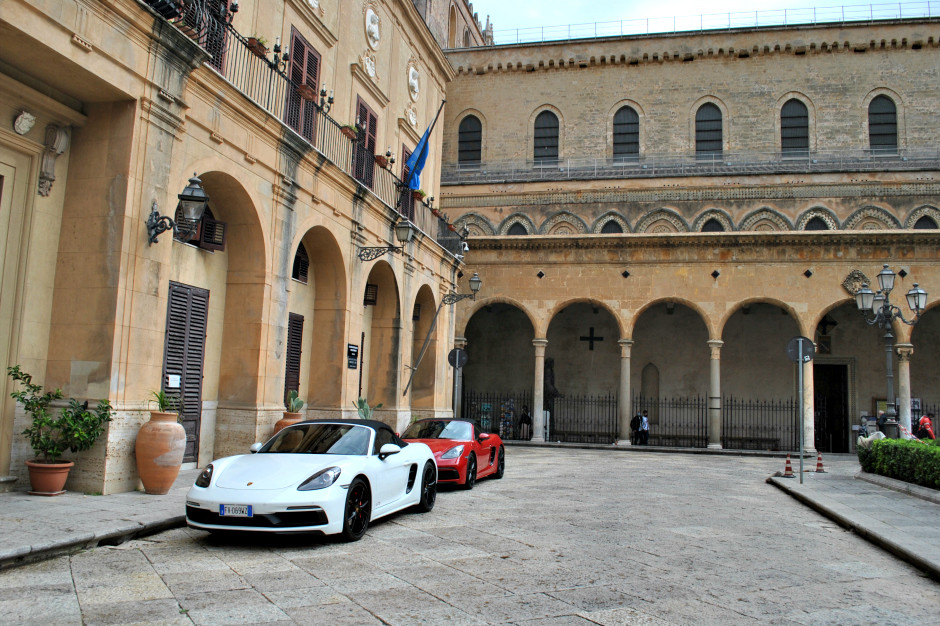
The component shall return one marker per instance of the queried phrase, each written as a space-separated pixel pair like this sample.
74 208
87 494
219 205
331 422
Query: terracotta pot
288 420
349 132
381 160
419 197
258 48
48 479
161 443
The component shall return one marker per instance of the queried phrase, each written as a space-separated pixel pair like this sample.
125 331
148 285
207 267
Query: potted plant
292 415
161 445
436 212
350 130
381 160
418 195
364 410
306 92
76 429
258 45
452 228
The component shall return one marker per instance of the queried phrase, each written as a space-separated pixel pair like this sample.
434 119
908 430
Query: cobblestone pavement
567 537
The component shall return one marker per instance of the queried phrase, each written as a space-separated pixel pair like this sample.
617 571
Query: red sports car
463 453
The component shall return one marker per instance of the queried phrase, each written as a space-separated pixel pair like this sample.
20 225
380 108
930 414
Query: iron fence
760 424
583 419
679 422
666 165
261 78
498 412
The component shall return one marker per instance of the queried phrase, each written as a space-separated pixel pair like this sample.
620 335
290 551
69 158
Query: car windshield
439 429
320 439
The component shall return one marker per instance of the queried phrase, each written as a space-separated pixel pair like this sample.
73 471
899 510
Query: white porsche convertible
321 476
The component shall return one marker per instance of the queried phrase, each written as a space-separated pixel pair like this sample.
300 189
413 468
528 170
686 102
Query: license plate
235 510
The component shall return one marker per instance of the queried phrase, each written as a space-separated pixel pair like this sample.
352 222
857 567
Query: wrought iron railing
583 419
681 422
720 21
666 165
261 78
760 424
499 413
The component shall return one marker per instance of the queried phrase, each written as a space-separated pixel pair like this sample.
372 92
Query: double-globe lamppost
876 309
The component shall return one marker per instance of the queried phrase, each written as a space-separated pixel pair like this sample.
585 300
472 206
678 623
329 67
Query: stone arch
719 215
641 114
452 27
725 121
499 334
382 325
597 304
662 221
822 213
791 312
923 211
517 218
582 337
483 126
325 356
476 225
610 216
424 378
710 324
530 130
461 329
899 109
563 223
871 218
811 114
765 219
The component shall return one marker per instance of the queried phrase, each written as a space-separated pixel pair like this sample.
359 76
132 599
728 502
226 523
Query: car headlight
322 479
206 477
453 453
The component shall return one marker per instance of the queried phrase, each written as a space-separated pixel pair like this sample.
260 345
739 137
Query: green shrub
916 462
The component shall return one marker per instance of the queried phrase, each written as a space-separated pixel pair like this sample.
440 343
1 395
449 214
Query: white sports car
322 476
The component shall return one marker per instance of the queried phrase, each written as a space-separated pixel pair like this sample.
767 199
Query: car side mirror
255 447
388 450
484 436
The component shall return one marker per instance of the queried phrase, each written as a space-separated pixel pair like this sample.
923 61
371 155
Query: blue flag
415 162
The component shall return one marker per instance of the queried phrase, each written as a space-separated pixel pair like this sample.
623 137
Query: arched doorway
379 380
424 349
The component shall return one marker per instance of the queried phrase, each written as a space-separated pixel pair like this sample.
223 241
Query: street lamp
192 205
475 283
883 314
404 232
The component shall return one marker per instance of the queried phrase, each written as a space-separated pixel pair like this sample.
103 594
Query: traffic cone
788 470
819 465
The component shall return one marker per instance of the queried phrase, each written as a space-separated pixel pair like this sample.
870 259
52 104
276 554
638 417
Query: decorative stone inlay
477 225
928 211
411 114
373 25
610 217
367 59
24 123
854 281
662 221
871 218
517 218
765 219
713 214
414 82
563 224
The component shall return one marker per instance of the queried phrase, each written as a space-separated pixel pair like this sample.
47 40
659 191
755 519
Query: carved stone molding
517 218
765 219
56 142
824 214
662 221
854 281
24 123
610 217
476 224
372 25
563 224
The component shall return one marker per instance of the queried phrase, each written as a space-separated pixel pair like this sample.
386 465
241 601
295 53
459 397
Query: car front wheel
471 472
428 488
501 463
358 510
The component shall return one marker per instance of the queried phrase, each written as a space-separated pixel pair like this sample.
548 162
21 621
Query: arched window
794 128
466 38
817 223
883 125
301 265
546 137
925 223
708 140
517 229
469 136
626 134
611 226
712 226
452 28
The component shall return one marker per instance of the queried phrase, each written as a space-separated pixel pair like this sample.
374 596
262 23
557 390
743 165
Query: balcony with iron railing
671 165
301 108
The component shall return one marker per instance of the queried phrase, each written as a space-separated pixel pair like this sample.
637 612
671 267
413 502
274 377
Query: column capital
715 346
625 342
460 342
625 346
905 350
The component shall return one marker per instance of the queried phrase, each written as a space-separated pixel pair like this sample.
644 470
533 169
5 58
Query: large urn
289 419
161 443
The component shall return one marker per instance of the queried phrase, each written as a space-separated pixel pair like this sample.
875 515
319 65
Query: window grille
708 139
626 134
883 125
546 137
469 140
794 128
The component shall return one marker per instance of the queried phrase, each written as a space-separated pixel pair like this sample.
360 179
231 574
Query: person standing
635 429
645 429
525 424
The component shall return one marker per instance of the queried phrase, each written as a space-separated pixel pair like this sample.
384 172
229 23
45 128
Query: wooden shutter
304 70
184 353
364 166
301 265
213 234
295 333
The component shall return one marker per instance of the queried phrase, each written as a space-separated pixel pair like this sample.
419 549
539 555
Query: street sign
457 358
801 349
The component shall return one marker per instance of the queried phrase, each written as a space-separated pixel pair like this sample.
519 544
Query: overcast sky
511 14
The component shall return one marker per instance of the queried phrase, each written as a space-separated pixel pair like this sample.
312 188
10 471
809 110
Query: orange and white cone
788 469
819 465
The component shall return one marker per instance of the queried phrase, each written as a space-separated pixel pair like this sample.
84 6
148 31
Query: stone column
625 395
809 410
714 394
538 391
905 350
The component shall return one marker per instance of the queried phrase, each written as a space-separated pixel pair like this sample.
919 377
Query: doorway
831 400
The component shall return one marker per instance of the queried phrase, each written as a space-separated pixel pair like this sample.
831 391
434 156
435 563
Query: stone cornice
691 194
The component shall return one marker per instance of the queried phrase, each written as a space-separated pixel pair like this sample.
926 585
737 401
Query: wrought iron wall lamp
475 283
404 232
192 204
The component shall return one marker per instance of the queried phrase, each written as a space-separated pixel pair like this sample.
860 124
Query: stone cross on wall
591 338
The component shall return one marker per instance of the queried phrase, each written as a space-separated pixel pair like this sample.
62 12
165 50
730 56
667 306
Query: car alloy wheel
471 472
358 511
501 463
428 488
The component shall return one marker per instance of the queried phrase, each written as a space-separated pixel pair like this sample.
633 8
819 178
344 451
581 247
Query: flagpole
441 108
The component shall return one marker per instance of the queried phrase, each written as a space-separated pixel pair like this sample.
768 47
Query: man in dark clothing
635 429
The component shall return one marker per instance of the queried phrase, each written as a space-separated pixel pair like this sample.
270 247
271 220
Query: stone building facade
113 109
696 200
